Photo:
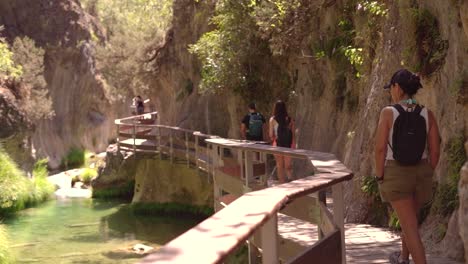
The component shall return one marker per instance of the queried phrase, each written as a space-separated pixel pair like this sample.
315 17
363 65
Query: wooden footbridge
297 222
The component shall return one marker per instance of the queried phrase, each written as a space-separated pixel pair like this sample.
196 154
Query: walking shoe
395 258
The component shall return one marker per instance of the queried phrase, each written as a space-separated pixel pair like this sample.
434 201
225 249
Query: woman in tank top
406 187
281 132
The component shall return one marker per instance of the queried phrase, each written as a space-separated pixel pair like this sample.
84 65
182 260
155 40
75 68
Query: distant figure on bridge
281 132
407 151
140 106
252 125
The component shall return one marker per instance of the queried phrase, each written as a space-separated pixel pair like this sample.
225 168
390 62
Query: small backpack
409 135
256 125
284 133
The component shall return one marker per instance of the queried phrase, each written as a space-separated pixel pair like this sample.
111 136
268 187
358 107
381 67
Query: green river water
86 231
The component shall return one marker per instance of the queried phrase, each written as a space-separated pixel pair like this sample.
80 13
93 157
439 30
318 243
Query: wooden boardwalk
364 243
369 244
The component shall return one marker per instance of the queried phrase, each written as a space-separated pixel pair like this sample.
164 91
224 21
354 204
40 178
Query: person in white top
407 186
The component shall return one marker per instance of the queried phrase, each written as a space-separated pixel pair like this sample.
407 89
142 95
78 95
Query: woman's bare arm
271 128
383 129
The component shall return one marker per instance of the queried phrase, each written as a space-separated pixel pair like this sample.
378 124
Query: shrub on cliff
75 158
35 100
131 28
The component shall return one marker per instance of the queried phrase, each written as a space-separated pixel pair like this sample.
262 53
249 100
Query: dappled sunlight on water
86 231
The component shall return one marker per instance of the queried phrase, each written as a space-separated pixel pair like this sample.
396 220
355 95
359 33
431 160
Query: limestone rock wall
177 74
83 114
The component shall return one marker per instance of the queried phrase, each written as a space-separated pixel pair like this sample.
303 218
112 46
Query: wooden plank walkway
365 244
369 244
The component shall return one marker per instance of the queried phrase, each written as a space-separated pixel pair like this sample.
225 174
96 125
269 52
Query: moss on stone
446 198
123 191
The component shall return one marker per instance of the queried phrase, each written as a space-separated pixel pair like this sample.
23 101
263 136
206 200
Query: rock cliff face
334 112
177 74
82 110
15 130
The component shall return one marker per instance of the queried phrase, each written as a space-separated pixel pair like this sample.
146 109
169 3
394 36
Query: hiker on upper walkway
140 106
253 124
281 132
407 151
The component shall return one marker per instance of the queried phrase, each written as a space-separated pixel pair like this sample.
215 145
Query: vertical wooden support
248 166
134 138
196 149
265 176
269 235
159 142
338 215
187 149
118 139
171 146
218 192
322 198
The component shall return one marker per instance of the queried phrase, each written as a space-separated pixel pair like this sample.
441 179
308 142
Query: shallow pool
87 231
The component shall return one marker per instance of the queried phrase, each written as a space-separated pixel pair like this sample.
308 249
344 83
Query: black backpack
409 135
284 133
256 125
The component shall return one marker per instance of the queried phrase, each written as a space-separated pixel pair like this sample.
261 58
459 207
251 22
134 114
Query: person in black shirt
140 107
252 125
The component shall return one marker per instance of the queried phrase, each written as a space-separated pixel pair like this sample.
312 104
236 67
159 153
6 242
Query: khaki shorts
407 181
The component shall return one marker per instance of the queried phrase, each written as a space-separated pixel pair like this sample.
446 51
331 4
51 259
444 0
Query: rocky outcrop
162 181
15 129
156 181
174 88
11 117
119 169
83 116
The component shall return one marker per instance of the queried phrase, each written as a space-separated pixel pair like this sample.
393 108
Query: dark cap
252 106
407 80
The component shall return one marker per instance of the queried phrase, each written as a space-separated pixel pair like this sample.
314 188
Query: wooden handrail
215 238
135 117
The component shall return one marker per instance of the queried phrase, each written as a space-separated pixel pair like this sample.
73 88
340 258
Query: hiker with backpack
407 151
252 124
281 132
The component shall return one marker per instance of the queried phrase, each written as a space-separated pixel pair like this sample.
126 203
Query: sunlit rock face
83 115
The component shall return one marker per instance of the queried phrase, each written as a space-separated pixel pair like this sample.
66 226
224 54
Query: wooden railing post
118 140
218 192
338 215
269 235
248 166
171 145
322 198
187 149
196 149
159 143
134 138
